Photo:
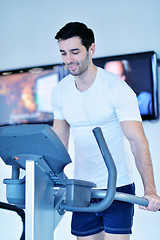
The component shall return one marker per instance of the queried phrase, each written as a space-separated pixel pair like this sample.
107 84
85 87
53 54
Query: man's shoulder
66 80
64 83
107 78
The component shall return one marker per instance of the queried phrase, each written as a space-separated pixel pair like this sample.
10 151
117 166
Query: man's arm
133 130
62 129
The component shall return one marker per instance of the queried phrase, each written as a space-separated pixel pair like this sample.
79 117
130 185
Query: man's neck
85 80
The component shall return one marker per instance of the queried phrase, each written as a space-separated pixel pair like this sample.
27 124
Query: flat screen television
25 94
139 70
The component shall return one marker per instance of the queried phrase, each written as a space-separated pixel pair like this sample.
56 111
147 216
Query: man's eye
75 52
63 54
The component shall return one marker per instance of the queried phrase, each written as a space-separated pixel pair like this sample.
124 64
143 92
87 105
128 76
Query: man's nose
69 58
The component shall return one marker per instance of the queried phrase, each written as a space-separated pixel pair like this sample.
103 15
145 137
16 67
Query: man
92 97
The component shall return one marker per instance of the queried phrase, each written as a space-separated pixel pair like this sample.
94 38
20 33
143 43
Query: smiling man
91 97
80 65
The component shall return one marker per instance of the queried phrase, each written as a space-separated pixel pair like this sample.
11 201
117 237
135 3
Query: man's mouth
72 67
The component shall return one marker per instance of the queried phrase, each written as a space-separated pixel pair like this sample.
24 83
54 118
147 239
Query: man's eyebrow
74 49
71 50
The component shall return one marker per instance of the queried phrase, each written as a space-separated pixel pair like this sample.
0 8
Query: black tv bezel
99 62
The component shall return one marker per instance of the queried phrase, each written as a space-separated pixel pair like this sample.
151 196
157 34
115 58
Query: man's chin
74 73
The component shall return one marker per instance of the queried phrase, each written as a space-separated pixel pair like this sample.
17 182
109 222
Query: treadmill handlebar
119 196
110 194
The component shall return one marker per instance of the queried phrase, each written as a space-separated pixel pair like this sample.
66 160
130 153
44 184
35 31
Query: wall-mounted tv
139 70
25 94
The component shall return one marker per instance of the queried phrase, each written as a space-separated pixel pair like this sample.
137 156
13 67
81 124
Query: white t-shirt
105 104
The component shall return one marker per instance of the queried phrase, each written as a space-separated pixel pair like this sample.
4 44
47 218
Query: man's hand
154 203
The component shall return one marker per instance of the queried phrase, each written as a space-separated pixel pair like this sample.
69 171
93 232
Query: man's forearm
143 161
62 129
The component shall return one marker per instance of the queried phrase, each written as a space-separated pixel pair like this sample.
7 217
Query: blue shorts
117 219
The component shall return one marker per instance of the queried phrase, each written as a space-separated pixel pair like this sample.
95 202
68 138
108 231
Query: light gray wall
27 39
28 28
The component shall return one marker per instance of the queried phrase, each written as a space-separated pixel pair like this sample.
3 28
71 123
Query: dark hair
76 29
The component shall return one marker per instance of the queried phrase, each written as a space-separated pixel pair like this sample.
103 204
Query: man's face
74 55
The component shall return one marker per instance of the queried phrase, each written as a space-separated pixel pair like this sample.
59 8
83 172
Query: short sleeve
56 102
126 104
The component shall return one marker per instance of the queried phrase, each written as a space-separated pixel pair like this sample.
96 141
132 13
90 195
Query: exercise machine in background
45 193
